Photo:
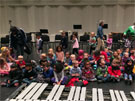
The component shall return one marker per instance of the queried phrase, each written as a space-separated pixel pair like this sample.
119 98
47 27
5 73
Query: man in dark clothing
64 41
100 36
17 40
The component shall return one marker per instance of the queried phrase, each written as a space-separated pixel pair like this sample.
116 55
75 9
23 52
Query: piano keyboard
43 92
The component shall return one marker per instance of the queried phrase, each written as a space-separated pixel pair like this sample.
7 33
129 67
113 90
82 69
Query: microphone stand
10 23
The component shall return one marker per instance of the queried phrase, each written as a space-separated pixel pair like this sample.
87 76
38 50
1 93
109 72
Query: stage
6 92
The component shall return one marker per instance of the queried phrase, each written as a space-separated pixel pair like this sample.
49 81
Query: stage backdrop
55 15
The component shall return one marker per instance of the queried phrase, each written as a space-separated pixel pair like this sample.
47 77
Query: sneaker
93 79
126 81
118 80
130 82
3 84
99 81
16 84
113 80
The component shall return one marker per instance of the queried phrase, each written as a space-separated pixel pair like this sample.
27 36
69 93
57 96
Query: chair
46 40
83 38
4 40
115 40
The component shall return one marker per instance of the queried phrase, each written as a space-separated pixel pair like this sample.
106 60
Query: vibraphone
44 92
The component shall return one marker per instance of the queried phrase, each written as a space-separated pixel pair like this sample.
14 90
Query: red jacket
21 63
102 53
73 80
114 72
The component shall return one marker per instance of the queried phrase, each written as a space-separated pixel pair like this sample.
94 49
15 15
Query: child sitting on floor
86 58
60 54
46 74
114 70
51 59
67 57
128 71
43 56
125 58
75 71
52 52
102 71
29 74
39 68
20 62
74 78
88 72
4 67
15 76
80 55
72 58
59 76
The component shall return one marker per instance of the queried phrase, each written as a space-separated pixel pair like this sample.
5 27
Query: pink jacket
76 44
5 70
80 57
60 56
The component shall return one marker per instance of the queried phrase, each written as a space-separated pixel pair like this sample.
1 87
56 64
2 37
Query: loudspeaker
77 26
105 26
44 30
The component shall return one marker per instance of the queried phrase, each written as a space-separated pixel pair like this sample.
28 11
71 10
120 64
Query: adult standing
17 40
100 36
64 41
130 33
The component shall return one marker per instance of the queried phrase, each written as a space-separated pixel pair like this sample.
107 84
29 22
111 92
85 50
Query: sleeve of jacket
110 70
48 75
40 45
119 72
98 71
23 36
100 32
127 30
11 41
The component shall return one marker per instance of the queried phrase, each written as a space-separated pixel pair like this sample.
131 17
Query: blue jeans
103 78
127 76
12 83
63 81
28 81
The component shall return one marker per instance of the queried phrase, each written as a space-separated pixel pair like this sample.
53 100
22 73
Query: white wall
32 15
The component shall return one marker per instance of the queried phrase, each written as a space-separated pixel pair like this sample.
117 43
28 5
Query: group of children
70 69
